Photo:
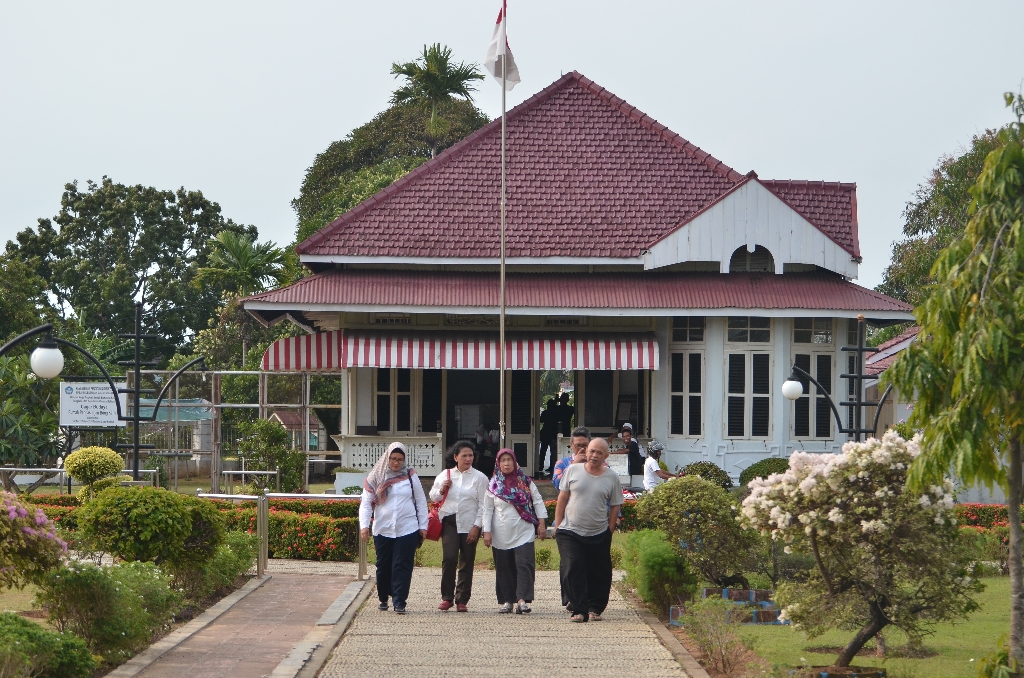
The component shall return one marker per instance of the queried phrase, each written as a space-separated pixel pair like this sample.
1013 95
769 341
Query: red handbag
433 519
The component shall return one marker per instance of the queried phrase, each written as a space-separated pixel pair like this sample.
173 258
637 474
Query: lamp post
47 362
793 388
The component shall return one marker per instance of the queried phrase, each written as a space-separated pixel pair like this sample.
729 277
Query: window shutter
430 407
521 398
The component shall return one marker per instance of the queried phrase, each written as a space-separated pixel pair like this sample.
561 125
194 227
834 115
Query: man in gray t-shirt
585 518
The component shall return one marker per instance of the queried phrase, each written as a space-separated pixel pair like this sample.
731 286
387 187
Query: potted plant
348 477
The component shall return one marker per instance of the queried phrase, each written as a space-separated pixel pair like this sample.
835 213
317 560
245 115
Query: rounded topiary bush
138 523
27 649
205 536
763 469
709 471
89 464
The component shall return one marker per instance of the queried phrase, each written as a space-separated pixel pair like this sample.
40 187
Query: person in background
566 412
585 518
514 515
393 500
548 437
653 474
630 447
578 444
462 490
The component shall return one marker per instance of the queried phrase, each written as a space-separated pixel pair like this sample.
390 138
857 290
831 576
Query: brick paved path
250 639
431 644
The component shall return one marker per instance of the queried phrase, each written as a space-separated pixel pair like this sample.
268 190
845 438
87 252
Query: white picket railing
425 452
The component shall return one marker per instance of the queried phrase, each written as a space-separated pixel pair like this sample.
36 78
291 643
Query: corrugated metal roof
648 290
588 175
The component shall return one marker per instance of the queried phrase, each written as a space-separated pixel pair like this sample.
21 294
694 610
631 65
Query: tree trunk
877 623
1013 500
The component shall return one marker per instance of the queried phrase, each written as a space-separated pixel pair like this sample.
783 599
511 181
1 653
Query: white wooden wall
749 216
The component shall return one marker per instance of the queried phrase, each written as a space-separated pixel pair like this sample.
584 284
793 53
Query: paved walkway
482 643
250 639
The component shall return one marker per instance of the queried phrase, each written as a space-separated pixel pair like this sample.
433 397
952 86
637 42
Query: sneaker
383 607
523 608
461 607
399 609
445 605
505 609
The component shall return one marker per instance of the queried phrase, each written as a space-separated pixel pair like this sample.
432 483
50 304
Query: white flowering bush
884 555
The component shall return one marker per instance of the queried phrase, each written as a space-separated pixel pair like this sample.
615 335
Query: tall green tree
433 80
240 265
23 305
113 244
967 367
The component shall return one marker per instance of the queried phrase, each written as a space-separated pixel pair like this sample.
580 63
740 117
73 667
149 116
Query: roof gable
752 214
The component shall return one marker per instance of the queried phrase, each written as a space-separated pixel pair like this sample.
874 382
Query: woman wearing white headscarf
393 500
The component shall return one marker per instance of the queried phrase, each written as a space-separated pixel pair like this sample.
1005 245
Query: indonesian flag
499 51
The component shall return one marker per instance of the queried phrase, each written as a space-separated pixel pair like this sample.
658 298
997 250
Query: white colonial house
675 290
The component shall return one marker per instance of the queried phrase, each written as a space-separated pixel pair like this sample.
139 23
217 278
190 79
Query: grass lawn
15 600
956 644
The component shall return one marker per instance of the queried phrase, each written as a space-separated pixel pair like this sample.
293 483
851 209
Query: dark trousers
546 445
395 556
514 572
458 557
588 570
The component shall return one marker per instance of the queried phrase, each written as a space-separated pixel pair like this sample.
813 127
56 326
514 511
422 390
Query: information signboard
90 403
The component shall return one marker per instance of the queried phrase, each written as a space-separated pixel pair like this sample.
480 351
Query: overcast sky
236 99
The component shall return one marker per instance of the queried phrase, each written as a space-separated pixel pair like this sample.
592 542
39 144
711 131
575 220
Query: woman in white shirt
393 500
461 489
514 514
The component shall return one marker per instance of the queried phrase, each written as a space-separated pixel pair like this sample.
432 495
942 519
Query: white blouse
396 516
465 498
508 529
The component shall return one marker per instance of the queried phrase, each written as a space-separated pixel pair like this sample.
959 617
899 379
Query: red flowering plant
29 546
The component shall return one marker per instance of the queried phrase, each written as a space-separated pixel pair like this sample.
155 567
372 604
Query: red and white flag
499 51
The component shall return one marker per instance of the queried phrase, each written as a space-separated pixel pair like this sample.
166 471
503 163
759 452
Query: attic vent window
470 320
391 319
758 261
566 321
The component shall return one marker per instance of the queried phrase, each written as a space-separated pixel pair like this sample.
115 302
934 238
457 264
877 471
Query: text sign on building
84 404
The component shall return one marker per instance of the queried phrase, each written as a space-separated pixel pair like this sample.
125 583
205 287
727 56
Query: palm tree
244 267
433 79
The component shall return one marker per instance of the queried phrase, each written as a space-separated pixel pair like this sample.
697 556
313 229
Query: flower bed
305 536
983 515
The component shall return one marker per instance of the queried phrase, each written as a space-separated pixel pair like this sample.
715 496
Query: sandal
578 618
595 616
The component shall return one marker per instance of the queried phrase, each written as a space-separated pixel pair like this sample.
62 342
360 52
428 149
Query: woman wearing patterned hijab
393 500
514 514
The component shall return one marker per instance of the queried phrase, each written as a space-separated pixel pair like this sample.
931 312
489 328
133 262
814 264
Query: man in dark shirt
630 447
564 415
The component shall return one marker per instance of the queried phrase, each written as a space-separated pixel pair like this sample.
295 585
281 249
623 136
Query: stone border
327 637
668 639
144 659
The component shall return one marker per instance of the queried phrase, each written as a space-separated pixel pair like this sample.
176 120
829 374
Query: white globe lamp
792 388
47 361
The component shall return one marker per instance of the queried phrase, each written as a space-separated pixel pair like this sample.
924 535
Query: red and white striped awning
332 351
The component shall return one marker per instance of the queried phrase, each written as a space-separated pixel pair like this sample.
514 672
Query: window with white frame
748 397
687 394
394 400
688 329
812 416
749 329
812 330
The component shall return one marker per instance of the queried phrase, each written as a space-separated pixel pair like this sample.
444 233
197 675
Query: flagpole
501 293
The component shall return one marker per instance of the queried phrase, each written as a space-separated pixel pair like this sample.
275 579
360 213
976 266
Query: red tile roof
896 341
588 175
878 365
437 289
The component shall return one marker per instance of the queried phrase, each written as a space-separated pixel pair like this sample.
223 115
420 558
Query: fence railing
230 475
426 452
263 521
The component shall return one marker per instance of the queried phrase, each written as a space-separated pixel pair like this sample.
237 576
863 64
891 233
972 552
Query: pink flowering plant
29 545
885 555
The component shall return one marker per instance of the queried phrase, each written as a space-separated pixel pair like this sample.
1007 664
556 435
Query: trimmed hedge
709 471
984 515
305 536
763 469
336 508
51 499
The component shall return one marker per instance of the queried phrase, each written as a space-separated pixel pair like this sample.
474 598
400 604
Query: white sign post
90 404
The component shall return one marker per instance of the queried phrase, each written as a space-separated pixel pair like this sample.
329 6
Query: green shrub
104 484
29 546
68 500
351 489
233 558
27 649
698 514
763 469
708 624
159 464
989 545
657 570
264 444
709 471
617 555
206 534
115 610
542 556
984 515
89 464
137 523
303 536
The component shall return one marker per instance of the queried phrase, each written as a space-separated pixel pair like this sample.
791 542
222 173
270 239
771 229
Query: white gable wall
751 215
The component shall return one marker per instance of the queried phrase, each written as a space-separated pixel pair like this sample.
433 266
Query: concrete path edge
142 661
671 643
318 658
